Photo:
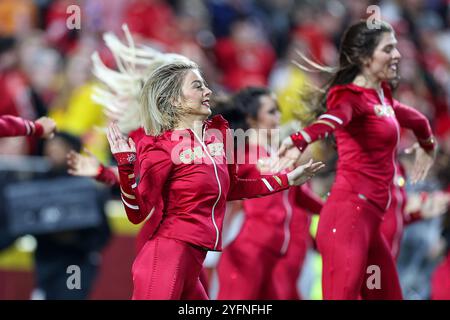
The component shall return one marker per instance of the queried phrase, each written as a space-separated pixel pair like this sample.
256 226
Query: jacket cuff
428 144
299 140
125 158
284 180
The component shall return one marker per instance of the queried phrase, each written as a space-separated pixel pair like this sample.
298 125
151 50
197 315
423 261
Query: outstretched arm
325 125
11 126
252 188
87 165
412 119
292 147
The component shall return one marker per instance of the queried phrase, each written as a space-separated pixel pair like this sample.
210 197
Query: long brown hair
358 43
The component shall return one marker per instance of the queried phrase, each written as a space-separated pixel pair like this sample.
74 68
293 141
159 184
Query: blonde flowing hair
119 90
160 94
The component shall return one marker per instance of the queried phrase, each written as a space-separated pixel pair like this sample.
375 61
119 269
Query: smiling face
383 65
195 95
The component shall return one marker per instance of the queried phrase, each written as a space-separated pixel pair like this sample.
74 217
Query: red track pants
168 269
352 247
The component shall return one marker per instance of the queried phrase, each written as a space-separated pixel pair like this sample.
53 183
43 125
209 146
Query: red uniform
394 218
11 126
264 261
194 180
289 266
107 176
366 128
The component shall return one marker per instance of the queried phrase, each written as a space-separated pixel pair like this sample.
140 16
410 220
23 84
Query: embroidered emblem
190 155
216 149
383 111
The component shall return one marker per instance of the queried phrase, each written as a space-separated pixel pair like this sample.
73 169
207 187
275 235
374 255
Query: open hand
117 141
287 158
303 173
82 165
422 164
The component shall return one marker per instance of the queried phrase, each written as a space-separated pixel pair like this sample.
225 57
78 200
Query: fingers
282 151
416 174
422 165
132 144
111 140
113 132
415 177
308 169
117 133
317 166
306 165
281 164
112 115
314 168
72 157
264 165
117 140
290 165
73 162
311 168
108 135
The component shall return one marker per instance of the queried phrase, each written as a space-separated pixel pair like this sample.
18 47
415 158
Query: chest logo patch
190 155
383 111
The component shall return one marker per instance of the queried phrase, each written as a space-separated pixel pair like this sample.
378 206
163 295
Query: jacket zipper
287 221
218 183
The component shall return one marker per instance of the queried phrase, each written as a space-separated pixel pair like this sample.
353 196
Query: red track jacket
367 133
193 178
11 126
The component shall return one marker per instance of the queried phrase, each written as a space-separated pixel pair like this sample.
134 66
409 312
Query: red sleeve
253 188
339 114
245 188
155 166
11 126
107 175
412 119
308 200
